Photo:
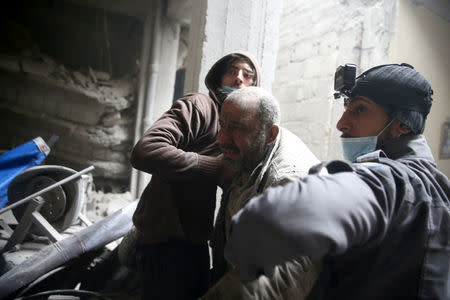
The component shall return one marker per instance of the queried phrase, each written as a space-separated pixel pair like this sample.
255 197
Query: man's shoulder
199 100
197 110
291 159
293 152
292 142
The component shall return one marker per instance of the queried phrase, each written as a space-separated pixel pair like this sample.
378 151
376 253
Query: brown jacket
181 152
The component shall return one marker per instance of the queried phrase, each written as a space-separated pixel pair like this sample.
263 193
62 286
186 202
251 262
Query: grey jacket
288 160
382 225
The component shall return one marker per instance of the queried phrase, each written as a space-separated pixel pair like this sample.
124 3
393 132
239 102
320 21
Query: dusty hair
268 108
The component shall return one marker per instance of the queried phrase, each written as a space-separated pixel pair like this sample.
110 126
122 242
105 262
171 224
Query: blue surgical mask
353 147
228 89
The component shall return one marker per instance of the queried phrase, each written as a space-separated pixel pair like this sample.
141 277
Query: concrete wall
423 40
317 36
219 27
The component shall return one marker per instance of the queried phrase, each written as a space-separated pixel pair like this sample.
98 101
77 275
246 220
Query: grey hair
268 109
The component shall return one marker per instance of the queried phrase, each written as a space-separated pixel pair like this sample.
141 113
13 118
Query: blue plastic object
17 160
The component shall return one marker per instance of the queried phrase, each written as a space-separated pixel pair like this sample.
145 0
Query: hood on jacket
214 76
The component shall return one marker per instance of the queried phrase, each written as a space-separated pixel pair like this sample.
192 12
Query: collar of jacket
408 146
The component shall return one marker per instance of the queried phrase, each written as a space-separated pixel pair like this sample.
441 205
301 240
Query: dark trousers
173 270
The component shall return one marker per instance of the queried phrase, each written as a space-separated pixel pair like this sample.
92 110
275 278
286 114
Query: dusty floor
100 204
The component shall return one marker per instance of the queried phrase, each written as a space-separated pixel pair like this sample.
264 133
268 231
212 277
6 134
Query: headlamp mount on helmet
344 80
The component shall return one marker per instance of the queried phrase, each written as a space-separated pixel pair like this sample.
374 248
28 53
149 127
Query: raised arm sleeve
168 148
315 216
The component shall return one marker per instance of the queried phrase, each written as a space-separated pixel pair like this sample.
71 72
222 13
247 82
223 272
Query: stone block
309 111
288 92
313 134
106 154
304 50
328 43
110 119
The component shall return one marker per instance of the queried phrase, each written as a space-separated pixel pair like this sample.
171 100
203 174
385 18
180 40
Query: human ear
400 128
272 133
404 129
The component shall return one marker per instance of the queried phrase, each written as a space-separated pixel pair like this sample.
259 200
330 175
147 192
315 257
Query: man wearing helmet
380 222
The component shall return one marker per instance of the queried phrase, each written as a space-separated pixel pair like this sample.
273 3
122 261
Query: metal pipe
141 95
152 84
153 69
51 187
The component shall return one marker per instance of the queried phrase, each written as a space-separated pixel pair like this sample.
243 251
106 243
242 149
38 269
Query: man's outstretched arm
315 216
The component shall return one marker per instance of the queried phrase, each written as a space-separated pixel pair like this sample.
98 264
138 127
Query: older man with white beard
262 154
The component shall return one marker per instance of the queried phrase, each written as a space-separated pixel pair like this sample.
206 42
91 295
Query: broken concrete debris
91 112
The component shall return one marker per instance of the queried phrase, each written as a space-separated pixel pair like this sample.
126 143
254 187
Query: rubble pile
100 205
91 113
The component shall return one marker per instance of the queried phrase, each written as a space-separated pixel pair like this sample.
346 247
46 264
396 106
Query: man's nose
343 124
240 77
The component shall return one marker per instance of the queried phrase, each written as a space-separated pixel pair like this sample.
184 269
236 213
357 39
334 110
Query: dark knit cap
404 92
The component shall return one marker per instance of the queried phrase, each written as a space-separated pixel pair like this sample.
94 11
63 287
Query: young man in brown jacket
174 217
